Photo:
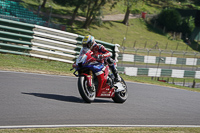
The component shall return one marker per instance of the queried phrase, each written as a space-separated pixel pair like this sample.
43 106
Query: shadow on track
64 98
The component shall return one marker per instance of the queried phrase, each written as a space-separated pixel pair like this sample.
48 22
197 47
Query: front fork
88 78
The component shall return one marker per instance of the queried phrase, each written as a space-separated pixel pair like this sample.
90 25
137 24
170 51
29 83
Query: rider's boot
110 82
115 73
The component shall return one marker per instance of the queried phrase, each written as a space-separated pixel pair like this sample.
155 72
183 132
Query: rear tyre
120 97
87 94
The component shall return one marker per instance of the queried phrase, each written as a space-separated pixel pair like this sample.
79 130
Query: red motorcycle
90 86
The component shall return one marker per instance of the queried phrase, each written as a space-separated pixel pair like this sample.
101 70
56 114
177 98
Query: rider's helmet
88 41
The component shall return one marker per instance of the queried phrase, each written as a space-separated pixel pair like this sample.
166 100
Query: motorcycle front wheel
121 96
86 93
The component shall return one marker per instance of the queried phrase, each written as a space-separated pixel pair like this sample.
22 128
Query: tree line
93 8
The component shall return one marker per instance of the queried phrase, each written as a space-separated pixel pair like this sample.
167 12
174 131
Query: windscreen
83 51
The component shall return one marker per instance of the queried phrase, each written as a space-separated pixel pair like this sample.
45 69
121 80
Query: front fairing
86 60
94 66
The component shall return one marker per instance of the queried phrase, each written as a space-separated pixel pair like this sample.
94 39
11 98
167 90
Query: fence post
166 46
194 83
158 62
50 16
183 82
187 48
134 44
145 44
124 39
135 54
112 40
195 54
148 56
157 45
171 59
183 58
123 48
177 46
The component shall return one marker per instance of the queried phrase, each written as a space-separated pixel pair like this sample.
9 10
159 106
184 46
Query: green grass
138 34
104 130
27 64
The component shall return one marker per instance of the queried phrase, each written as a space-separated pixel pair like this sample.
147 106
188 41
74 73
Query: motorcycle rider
101 53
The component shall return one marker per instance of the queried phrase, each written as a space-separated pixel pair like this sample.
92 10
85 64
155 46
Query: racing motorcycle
90 86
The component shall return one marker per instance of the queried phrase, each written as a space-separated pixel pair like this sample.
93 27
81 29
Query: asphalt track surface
36 99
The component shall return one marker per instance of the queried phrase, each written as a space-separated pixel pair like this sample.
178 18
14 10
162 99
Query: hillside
138 34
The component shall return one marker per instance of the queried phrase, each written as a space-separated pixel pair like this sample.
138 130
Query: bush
170 19
187 25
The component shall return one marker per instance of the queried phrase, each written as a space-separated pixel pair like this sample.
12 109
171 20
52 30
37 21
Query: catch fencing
160 63
162 60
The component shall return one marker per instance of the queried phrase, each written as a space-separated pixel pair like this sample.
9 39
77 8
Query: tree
77 4
43 4
129 4
93 9
170 18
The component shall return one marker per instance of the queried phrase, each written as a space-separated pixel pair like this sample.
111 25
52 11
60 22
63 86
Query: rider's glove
100 57
74 65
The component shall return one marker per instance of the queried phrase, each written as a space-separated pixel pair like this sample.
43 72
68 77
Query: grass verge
35 65
104 130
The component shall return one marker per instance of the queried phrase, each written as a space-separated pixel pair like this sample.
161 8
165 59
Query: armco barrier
158 72
42 42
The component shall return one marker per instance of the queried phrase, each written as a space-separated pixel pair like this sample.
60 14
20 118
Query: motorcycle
90 86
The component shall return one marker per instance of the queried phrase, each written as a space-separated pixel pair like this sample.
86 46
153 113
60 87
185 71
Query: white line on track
91 125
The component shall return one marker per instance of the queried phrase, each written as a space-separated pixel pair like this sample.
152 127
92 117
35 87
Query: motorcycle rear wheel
87 95
121 97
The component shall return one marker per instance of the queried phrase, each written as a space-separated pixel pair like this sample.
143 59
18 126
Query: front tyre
121 96
87 94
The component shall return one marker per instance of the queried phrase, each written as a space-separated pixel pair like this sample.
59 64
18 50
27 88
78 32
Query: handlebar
75 73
